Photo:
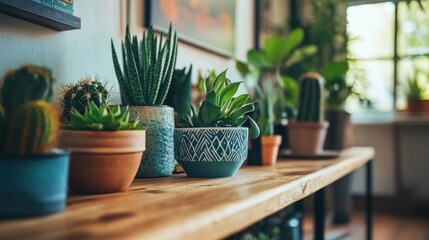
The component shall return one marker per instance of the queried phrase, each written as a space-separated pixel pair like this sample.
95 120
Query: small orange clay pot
270 149
307 138
103 161
417 106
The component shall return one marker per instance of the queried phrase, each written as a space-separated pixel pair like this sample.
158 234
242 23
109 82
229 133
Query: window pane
378 86
408 69
413 32
371 28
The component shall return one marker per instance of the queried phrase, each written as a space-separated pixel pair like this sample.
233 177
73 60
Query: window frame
396 58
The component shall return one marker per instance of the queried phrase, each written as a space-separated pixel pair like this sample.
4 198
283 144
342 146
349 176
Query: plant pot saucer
324 155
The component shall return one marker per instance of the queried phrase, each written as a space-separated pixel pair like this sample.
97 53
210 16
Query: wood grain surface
179 207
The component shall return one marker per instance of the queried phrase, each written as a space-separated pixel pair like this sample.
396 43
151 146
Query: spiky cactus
31 129
79 95
147 67
29 83
310 103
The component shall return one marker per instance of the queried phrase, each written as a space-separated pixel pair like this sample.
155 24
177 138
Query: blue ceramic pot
210 152
158 160
33 185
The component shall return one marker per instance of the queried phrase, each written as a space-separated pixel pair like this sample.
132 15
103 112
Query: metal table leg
319 214
368 168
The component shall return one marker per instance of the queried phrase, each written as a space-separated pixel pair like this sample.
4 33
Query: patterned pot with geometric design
210 152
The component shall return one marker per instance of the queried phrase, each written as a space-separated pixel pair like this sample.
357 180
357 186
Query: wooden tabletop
179 207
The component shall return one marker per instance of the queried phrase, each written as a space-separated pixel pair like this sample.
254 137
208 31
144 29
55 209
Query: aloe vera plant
101 118
147 69
220 108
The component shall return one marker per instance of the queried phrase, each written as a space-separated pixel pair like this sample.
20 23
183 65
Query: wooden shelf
179 207
39 14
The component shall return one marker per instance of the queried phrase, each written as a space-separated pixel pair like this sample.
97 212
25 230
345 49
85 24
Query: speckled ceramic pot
210 152
158 160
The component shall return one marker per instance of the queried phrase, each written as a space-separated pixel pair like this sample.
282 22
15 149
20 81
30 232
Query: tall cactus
29 83
310 103
31 129
79 95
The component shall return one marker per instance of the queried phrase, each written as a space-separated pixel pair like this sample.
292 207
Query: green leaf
211 97
275 49
295 38
238 102
254 131
208 114
300 54
219 82
242 67
228 92
257 58
247 108
336 70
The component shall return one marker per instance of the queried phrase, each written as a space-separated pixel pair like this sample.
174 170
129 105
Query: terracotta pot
270 149
103 161
307 138
417 106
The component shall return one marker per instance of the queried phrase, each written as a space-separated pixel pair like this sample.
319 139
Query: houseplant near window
415 94
106 146
33 175
307 133
210 142
272 63
144 82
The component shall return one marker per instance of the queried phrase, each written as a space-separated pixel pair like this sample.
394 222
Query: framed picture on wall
208 24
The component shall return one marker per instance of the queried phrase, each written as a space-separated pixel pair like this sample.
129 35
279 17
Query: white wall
379 136
72 54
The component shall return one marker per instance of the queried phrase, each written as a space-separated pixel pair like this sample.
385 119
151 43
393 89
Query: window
390 42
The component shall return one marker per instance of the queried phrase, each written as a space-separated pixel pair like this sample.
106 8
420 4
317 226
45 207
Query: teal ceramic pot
33 185
158 160
211 152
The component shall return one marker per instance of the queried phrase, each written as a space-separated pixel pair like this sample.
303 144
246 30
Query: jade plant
310 102
179 96
147 69
101 119
30 122
79 95
220 108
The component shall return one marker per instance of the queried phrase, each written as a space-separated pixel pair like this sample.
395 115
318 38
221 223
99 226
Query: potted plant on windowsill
415 94
211 142
144 82
106 146
307 134
33 175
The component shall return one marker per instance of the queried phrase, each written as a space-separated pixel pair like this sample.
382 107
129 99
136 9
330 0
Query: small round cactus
28 83
31 129
80 94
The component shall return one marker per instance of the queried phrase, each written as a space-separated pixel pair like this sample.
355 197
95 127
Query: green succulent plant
179 96
148 67
102 119
220 108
